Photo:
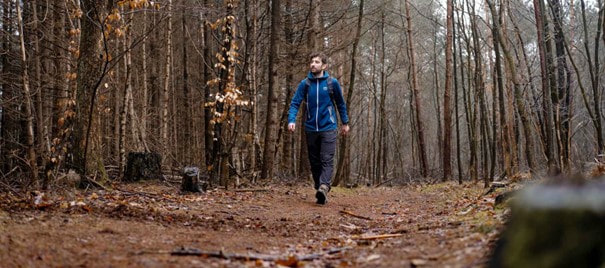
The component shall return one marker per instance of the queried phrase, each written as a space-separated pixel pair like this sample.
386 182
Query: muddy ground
152 225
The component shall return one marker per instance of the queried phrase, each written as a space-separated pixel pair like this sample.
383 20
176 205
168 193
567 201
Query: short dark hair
320 55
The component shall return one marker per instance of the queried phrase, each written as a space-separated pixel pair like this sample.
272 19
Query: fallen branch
4 185
144 194
382 183
252 190
355 215
375 237
95 183
183 251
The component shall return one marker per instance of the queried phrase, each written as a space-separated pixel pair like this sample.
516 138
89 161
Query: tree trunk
31 150
118 98
145 100
506 148
41 133
343 171
438 114
254 84
373 162
481 110
186 141
468 104
60 93
124 114
4 118
206 67
166 91
415 91
304 166
447 116
524 112
456 115
382 129
603 26
284 138
92 66
497 135
124 109
273 87
593 69
541 25
563 100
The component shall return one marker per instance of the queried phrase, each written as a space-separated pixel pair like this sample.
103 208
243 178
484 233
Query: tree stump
555 226
190 183
143 166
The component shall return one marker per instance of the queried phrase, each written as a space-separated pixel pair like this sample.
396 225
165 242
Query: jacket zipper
307 106
317 108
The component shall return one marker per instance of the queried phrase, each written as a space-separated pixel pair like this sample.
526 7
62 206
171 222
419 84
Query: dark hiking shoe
322 194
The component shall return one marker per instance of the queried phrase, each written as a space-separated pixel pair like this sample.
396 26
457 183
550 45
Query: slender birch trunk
166 91
31 150
145 93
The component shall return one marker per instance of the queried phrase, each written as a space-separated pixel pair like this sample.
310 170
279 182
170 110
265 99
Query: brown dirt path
433 225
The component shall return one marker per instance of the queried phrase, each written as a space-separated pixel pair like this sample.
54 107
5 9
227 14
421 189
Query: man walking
323 96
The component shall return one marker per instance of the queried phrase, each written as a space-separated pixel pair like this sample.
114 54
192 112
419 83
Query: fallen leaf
87 208
292 261
418 262
372 257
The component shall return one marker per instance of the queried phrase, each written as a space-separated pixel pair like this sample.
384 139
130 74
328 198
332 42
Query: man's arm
342 108
299 95
340 103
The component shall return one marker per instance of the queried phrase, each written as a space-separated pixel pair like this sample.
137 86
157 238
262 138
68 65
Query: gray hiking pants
322 146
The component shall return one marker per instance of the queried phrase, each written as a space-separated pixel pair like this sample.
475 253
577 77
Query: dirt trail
141 225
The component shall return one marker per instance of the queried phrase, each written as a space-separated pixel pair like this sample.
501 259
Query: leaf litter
144 224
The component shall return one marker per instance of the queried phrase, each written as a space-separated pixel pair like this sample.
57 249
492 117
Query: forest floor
151 224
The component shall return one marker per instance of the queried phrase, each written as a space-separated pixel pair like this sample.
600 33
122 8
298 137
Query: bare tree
273 87
167 82
562 99
447 117
31 150
545 59
593 67
505 144
343 171
92 66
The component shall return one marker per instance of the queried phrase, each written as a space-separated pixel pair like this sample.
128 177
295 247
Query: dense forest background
452 90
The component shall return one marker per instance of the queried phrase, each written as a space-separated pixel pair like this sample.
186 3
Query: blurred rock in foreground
555 225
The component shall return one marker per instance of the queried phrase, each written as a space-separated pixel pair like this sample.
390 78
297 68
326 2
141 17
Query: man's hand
344 129
291 127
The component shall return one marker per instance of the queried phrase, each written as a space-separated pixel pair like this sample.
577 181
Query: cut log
143 166
555 226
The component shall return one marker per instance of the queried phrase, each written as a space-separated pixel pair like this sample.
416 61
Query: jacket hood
312 77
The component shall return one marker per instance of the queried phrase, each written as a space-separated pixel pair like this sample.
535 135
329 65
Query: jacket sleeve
296 101
340 102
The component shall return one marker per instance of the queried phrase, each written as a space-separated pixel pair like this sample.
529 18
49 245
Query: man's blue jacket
321 115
